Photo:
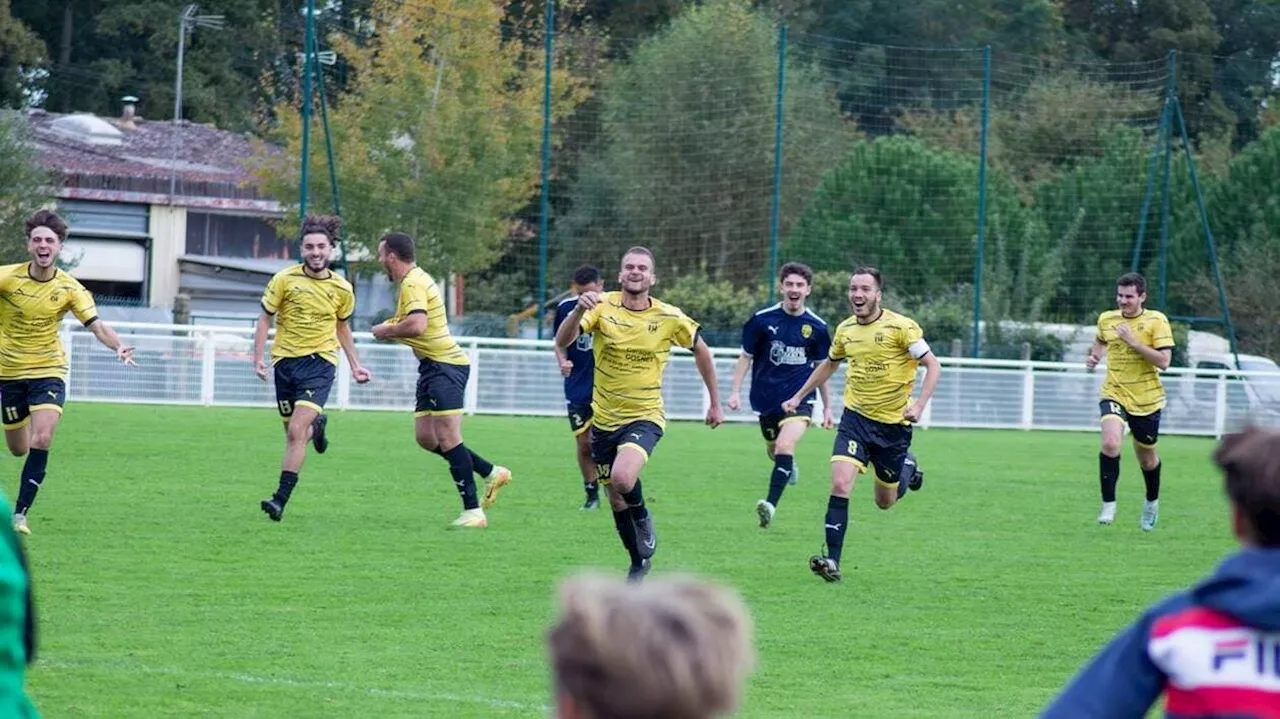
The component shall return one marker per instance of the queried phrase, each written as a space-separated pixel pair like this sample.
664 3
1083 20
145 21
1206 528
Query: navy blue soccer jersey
577 386
784 350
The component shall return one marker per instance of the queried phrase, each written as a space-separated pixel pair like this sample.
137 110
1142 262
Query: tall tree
21 55
438 133
685 159
105 49
24 185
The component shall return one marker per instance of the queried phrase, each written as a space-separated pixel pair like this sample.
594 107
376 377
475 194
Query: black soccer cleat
274 509
638 571
318 438
646 540
917 481
825 567
592 503
912 476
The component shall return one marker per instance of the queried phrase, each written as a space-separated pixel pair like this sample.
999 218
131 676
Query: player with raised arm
33 363
443 368
1138 343
633 337
577 366
312 305
884 350
785 342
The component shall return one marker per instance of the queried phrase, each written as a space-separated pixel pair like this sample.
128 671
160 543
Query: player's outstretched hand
734 402
587 300
359 374
125 354
1091 360
566 367
790 405
827 420
261 369
715 416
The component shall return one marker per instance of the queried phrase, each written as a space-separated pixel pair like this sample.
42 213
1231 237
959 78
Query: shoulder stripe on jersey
91 320
770 308
1195 617
568 299
814 315
415 312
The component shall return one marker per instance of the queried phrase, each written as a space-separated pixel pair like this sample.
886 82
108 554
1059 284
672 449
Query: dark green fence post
775 214
307 46
980 255
1163 296
328 149
544 203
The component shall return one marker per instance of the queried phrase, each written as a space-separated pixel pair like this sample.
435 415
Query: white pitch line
43 662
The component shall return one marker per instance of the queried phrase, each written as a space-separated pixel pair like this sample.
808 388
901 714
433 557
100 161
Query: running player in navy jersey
576 366
785 343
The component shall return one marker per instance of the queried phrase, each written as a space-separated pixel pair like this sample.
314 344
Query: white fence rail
203 365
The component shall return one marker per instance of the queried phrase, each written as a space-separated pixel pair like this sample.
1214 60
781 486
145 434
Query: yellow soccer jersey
307 312
30 314
631 351
883 356
1131 380
419 293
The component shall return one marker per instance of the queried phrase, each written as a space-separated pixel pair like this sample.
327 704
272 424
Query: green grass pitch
163 590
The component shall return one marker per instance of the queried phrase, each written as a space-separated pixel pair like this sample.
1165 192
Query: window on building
217 235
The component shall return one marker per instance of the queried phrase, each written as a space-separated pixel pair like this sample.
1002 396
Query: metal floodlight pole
980 255
187 22
544 200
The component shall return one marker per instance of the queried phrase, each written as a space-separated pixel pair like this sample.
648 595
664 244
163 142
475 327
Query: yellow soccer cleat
500 478
20 524
471 519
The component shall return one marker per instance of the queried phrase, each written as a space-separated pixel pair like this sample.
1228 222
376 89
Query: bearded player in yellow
443 369
1138 343
884 350
34 297
312 305
633 334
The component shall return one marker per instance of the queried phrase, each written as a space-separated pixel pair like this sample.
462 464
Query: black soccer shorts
580 418
19 397
864 442
605 443
303 382
442 388
771 422
1145 428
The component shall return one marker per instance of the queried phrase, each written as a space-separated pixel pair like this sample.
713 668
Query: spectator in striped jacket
1213 651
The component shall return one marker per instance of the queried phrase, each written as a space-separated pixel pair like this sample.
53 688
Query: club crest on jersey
55 297
653 326
880 339
806 331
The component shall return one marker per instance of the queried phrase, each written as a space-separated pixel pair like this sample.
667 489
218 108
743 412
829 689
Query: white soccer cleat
1108 513
795 474
471 519
20 524
1150 515
765 511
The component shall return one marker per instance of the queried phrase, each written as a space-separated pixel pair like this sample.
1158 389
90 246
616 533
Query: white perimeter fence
206 365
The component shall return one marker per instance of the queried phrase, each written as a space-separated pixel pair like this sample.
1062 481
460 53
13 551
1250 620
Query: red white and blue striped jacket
1214 652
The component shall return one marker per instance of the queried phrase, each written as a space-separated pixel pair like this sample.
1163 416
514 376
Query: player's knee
427 441
885 501
18 451
785 447
41 438
1111 446
1148 459
623 479
841 486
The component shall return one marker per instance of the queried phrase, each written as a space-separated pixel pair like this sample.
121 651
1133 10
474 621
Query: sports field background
162 590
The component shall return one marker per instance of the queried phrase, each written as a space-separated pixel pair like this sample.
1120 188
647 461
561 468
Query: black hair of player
1250 462
399 244
796 268
50 219
1134 280
327 225
586 275
875 275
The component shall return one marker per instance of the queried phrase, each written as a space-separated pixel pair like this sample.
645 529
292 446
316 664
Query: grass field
164 591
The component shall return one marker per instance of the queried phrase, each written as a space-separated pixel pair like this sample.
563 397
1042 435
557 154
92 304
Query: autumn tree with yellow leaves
438 134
